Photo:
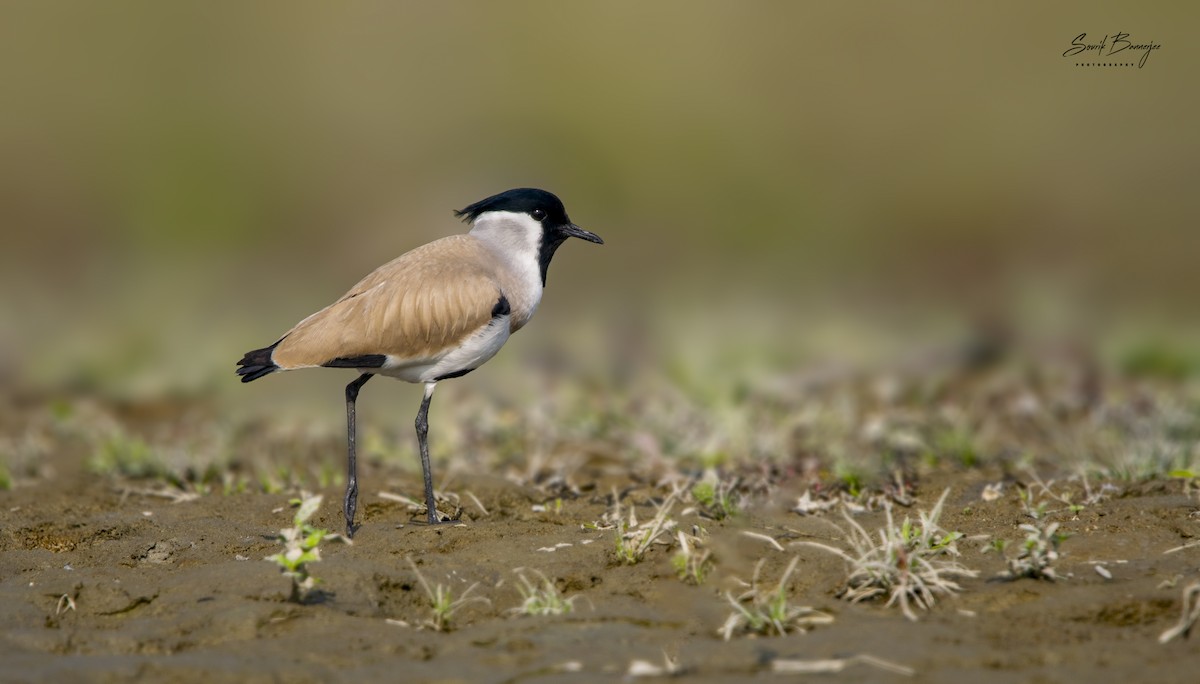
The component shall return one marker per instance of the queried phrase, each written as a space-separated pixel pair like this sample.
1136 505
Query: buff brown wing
411 309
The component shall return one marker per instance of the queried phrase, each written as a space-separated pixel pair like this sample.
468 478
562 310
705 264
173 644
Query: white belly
473 352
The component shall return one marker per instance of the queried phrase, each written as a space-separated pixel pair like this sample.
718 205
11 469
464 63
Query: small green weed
540 598
442 603
1038 552
769 612
717 498
301 543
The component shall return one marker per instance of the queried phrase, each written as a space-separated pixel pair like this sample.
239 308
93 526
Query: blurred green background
780 184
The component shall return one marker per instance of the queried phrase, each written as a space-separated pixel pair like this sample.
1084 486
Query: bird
434 313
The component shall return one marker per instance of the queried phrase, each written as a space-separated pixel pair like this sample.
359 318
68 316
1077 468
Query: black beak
572 230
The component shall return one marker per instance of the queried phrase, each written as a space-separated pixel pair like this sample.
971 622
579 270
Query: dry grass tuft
908 563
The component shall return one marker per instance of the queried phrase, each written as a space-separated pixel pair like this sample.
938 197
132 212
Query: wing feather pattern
413 308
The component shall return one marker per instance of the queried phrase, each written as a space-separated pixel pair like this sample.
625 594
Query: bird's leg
351 502
423 443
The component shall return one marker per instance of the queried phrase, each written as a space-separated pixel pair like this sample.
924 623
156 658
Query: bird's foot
436 518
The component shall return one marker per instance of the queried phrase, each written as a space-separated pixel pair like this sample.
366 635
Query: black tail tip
255 364
251 373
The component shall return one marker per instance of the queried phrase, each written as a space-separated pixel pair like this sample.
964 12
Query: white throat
515 239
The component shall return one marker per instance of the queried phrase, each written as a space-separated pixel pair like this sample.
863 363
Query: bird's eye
538 214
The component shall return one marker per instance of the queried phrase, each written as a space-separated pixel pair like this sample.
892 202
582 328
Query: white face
516 235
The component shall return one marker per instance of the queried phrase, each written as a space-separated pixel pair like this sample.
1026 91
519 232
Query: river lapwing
435 313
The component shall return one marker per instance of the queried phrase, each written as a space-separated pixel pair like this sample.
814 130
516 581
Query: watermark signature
1111 50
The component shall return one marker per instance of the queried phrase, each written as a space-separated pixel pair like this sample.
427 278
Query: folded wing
412 310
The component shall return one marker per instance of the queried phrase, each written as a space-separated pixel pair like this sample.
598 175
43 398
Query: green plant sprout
442 603
769 612
540 598
1038 552
718 501
301 547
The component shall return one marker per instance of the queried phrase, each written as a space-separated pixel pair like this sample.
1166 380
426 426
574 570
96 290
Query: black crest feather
519 200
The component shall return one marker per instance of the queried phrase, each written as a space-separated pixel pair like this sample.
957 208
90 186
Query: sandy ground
102 581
